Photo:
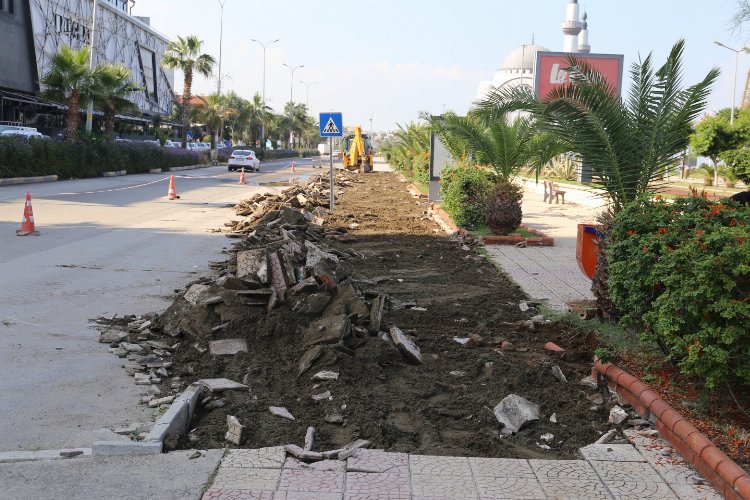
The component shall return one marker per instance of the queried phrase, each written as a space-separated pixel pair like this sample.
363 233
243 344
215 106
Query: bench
553 190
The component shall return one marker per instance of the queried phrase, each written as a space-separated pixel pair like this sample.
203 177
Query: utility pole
90 107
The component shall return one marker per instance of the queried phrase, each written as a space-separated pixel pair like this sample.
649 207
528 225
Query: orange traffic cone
27 223
292 167
242 175
172 193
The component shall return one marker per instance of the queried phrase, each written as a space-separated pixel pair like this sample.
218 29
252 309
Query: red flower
658 197
700 232
632 233
662 230
733 222
645 248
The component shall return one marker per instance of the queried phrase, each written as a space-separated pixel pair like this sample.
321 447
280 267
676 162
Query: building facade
35 29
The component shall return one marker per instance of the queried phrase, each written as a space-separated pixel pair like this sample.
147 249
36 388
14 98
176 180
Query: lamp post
90 107
734 87
291 84
307 97
263 111
221 41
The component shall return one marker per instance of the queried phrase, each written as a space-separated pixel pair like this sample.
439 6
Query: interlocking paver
225 494
563 469
242 478
449 486
376 461
395 482
626 471
262 458
314 481
574 489
306 495
509 487
500 467
612 452
449 466
329 465
695 492
635 490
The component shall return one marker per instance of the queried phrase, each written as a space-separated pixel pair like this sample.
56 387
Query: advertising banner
551 72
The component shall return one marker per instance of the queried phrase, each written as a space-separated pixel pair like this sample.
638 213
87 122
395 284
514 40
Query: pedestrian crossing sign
331 125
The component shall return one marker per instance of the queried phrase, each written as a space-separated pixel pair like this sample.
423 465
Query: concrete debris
553 418
334 419
547 438
309 438
408 348
351 448
376 314
227 347
236 432
161 401
195 293
558 374
327 330
308 358
215 403
523 305
131 347
617 415
325 375
607 437
589 382
322 396
279 411
514 412
221 384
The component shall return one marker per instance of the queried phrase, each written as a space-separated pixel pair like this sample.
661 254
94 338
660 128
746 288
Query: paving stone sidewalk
549 273
648 468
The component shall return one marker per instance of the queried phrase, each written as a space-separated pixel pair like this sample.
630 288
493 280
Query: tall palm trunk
74 106
186 94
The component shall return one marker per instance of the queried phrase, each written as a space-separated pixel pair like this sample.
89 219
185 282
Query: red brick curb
721 471
541 241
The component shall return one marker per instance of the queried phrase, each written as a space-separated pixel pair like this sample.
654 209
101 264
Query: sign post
331 125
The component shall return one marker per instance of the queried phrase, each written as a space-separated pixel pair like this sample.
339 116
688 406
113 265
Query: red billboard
550 71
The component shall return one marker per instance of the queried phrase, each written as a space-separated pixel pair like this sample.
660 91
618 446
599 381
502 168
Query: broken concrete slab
326 375
351 448
376 314
227 347
309 357
311 304
408 348
253 265
558 374
112 336
280 411
322 396
514 412
315 255
236 432
221 384
306 285
309 438
327 330
348 302
617 415
195 293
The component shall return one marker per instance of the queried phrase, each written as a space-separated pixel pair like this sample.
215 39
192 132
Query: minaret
572 27
583 37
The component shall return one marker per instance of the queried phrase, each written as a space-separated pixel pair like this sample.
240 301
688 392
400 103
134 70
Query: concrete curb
35 456
541 241
188 167
27 180
721 471
116 173
155 171
414 190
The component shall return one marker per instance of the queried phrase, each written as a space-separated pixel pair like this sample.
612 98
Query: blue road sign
331 125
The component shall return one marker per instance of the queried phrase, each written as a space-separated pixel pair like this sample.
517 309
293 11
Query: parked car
27 132
244 158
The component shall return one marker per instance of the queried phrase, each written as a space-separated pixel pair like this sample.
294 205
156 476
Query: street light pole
263 111
291 83
734 87
90 107
307 87
218 81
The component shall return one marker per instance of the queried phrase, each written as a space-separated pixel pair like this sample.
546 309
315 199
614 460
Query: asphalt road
107 246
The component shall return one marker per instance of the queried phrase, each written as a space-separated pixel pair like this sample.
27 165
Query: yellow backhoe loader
357 151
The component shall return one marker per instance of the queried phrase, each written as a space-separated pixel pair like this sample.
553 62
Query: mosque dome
523 58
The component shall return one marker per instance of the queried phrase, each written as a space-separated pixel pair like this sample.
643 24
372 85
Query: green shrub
682 272
21 157
465 191
738 164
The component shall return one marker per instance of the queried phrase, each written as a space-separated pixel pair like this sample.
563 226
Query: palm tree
111 90
70 80
504 148
628 143
214 113
184 54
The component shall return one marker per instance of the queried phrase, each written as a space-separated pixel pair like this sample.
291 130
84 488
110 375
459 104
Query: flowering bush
22 157
682 271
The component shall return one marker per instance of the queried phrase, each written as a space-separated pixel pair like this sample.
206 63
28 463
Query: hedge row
22 157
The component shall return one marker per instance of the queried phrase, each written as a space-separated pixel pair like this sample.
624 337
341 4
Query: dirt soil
437 289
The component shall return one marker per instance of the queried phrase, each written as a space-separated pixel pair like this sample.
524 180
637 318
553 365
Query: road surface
106 246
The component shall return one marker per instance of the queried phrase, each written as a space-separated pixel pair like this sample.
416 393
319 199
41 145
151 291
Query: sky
389 60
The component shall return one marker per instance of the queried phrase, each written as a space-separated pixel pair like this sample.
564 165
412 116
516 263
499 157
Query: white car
243 158
27 132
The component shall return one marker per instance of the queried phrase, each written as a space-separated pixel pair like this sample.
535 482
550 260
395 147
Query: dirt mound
303 294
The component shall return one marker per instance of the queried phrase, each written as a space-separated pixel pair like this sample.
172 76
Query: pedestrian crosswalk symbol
331 127
331 124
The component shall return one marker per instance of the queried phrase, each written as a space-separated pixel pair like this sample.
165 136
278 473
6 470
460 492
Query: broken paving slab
221 384
408 348
280 411
326 375
309 357
514 412
327 330
227 347
195 293
376 314
253 264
